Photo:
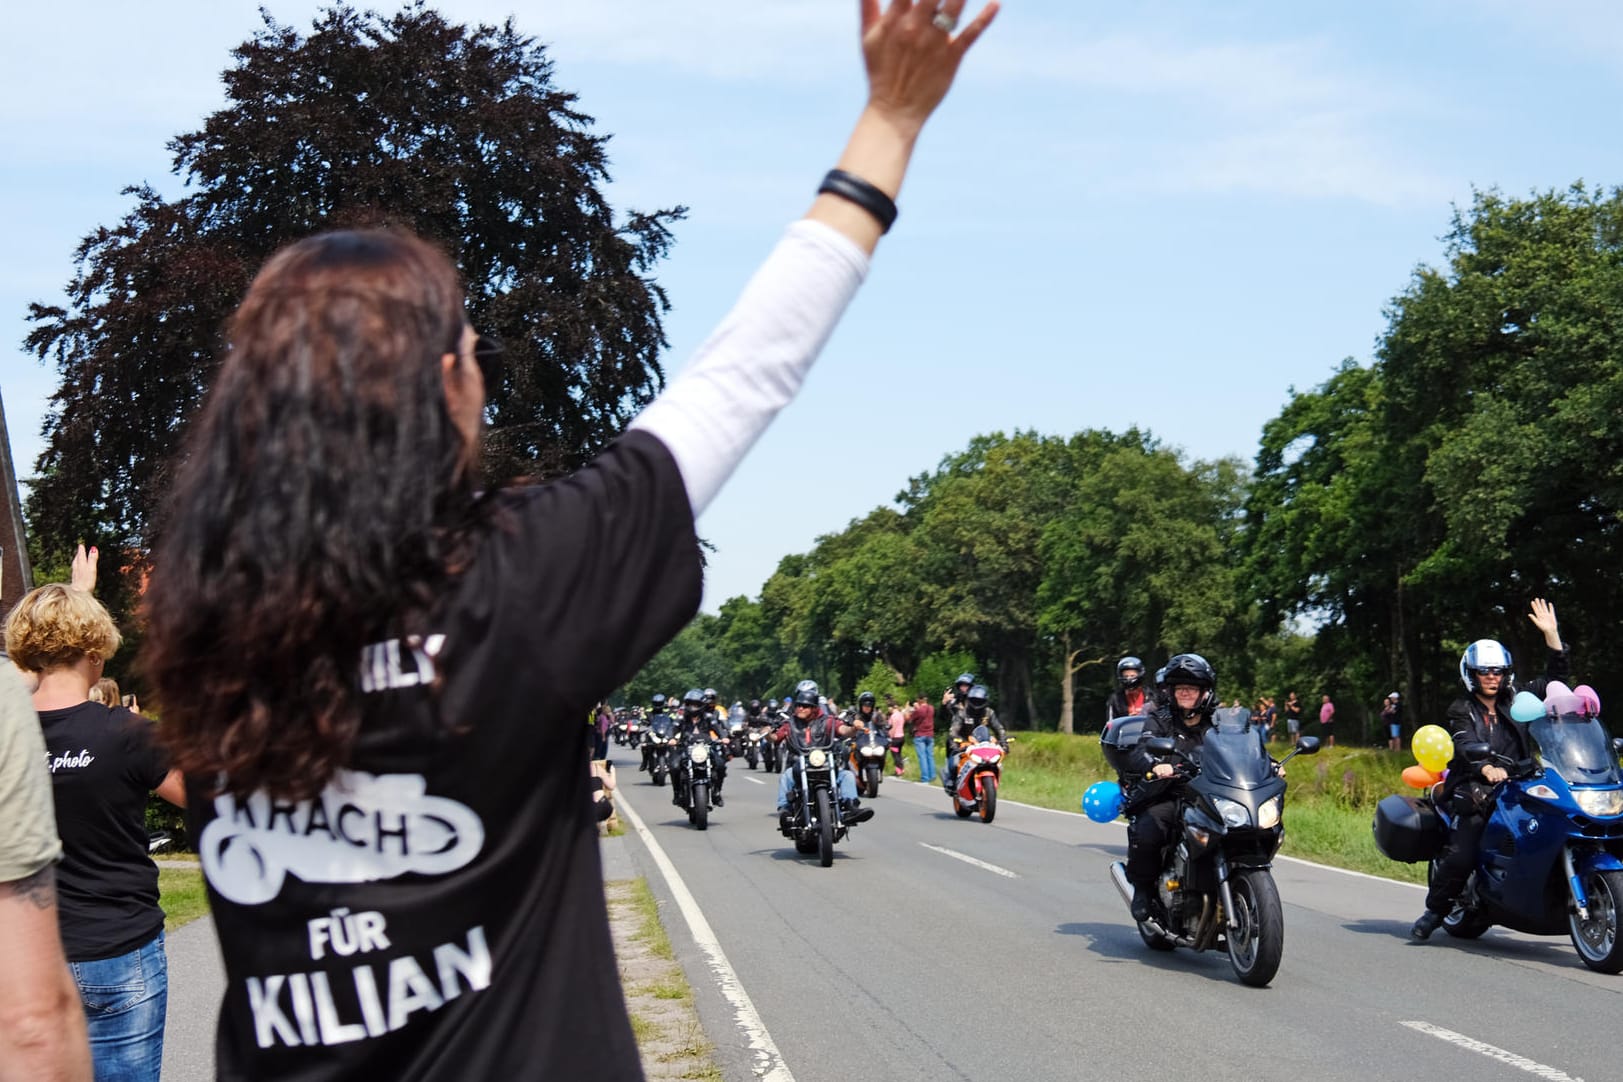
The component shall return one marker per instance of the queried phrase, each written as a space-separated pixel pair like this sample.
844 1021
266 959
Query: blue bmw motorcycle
1551 858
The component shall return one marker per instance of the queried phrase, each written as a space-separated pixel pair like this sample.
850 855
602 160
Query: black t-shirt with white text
438 912
103 766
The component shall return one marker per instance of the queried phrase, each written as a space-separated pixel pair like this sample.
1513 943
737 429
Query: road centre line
768 1065
955 855
1551 1074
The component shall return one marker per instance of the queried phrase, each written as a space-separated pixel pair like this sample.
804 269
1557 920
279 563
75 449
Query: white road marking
757 781
967 859
1552 1074
768 1061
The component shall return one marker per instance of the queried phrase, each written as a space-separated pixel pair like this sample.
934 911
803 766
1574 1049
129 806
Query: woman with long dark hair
350 641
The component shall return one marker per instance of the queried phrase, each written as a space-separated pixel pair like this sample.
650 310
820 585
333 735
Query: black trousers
1149 831
1457 863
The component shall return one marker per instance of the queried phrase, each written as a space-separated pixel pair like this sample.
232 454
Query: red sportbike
980 768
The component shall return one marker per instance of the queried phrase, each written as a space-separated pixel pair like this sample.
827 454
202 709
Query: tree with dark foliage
454 132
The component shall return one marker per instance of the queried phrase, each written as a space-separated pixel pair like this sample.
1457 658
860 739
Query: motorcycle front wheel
825 829
1597 939
988 798
1257 941
699 807
872 773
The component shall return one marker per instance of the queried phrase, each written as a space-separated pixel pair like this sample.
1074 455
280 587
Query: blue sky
1162 214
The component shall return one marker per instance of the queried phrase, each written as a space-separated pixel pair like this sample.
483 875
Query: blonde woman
104 762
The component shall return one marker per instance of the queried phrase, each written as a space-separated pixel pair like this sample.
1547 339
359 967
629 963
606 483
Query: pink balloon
1563 702
1591 701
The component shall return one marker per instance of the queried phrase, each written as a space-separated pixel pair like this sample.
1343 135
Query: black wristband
852 187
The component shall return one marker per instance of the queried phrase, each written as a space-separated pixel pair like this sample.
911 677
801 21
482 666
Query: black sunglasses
488 352
1490 670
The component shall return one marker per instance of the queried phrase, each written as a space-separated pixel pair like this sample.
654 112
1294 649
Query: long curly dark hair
324 499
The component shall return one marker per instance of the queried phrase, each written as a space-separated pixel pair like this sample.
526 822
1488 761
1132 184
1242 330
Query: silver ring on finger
944 22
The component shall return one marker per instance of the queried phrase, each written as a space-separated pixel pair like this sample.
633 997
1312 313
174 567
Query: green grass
649 931
1329 807
182 896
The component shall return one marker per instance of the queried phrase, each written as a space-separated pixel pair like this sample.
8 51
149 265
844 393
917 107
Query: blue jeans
124 1000
924 748
844 781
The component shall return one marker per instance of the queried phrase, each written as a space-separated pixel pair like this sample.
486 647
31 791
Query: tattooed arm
42 1025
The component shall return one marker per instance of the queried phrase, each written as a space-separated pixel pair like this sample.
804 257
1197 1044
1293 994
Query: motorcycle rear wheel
699 807
1597 939
1257 942
988 798
825 829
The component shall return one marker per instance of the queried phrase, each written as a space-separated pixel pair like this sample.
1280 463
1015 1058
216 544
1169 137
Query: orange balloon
1418 777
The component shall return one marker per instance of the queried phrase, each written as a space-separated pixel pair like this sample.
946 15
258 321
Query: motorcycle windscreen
1231 719
1578 748
1235 759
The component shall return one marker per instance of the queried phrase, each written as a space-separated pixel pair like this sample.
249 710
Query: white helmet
1485 654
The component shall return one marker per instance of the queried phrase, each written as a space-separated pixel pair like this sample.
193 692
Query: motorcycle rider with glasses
695 714
976 711
810 726
1483 716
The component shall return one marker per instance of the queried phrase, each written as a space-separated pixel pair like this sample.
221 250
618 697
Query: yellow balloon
1432 747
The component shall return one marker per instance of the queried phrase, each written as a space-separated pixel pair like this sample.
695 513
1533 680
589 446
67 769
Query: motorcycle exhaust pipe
1118 876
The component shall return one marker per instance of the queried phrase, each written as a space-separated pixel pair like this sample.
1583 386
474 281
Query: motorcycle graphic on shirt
362 828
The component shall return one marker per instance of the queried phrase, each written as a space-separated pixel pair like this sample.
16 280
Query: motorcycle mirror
1617 746
1475 752
1308 745
1161 745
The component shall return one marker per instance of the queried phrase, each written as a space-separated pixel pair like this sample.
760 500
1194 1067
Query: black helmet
657 702
977 698
866 699
755 706
693 700
1123 665
710 696
1191 669
806 694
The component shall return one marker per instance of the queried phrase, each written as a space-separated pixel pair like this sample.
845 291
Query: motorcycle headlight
1599 802
817 758
1233 813
1268 814
698 753
871 751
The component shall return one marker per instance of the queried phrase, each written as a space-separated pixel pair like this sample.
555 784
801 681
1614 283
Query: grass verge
182 896
670 1039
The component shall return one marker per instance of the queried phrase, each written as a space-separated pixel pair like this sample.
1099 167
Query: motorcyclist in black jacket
1188 687
977 711
697 714
1483 716
659 722
1131 696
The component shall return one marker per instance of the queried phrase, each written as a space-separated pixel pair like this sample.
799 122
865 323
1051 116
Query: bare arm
911 64
42 1025
173 789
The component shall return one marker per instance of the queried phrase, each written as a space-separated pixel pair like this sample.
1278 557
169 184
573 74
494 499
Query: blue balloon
1526 707
1102 801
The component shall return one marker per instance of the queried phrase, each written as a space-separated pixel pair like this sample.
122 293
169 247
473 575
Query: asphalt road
905 961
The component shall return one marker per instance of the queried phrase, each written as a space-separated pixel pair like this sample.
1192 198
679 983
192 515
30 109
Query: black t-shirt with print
439 912
103 766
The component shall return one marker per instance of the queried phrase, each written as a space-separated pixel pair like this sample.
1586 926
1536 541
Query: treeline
1392 515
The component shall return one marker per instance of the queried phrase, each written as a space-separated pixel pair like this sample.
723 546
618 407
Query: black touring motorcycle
1216 888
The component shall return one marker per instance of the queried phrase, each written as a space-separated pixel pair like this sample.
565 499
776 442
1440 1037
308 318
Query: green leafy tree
458 133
